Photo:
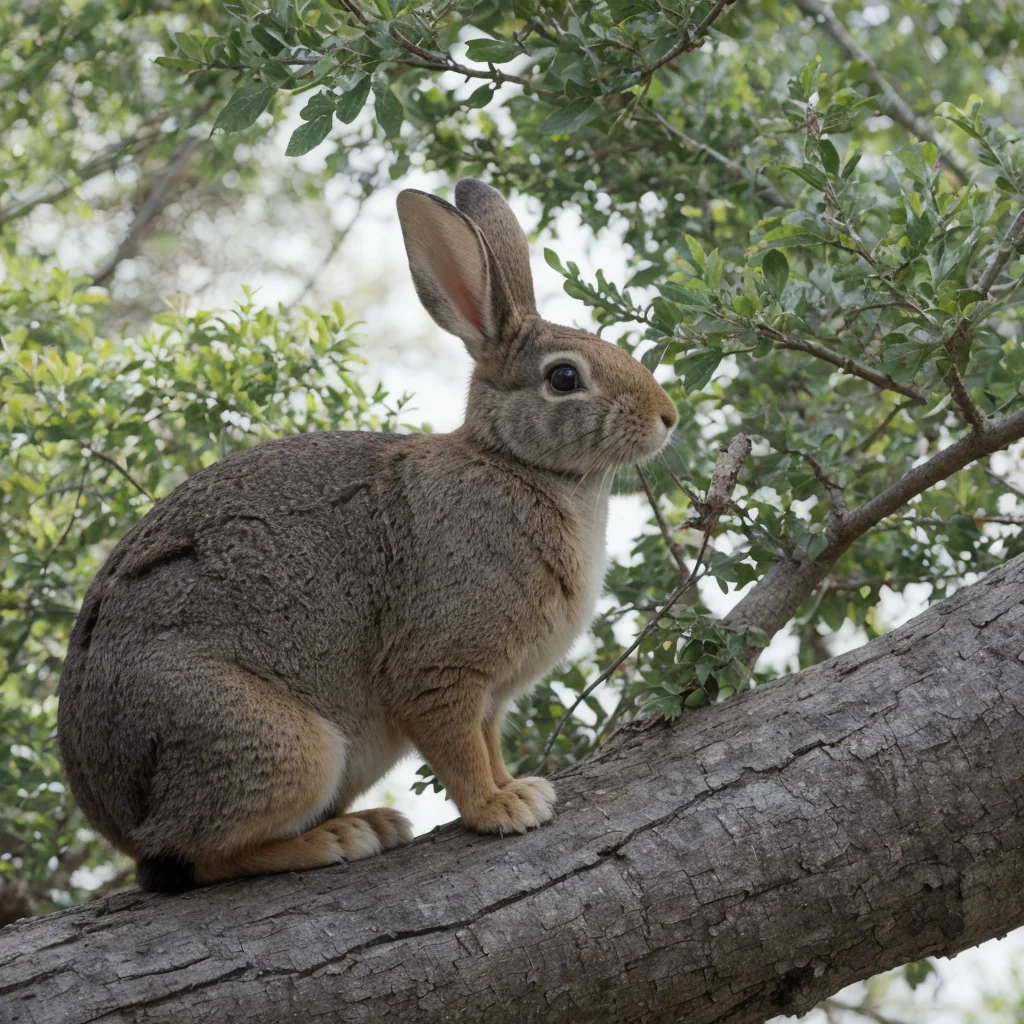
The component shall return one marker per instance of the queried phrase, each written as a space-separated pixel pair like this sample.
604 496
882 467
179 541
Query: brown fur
288 623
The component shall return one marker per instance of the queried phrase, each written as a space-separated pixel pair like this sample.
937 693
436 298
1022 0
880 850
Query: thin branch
774 599
940 466
738 169
837 500
431 62
898 107
973 412
999 259
105 160
1003 482
880 380
338 241
863 446
666 530
862 1009
352 6
165 181
124 472
615 665
958 344
723 482
690 41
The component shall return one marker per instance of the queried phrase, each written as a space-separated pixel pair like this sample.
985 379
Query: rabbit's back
271 559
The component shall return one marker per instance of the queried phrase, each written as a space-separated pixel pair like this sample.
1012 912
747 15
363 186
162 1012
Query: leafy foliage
822 213
93 430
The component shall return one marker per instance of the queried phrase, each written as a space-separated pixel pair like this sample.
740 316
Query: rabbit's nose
670 419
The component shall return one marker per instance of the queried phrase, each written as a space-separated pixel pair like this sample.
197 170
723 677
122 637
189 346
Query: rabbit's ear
451 269
487 209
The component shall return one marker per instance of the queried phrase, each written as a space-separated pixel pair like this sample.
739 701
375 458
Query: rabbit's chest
561 621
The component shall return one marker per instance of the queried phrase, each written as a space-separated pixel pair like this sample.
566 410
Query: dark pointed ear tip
468 189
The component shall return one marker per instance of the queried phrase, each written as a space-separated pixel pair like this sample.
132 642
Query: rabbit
288 623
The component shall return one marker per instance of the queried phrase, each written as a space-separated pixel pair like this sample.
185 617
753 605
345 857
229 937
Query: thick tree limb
749 861
774 599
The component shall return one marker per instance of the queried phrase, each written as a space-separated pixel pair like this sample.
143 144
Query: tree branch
739 170
666 531
898 107
164 183
105 160
774 599
880 380
750 861
690 41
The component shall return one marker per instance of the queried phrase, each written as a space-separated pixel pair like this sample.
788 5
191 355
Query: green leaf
915 973
571 118
309 135
479 98
492 51
692 297
353 101
191 45
829 156
177 63
698 369
552 260
776 270
244 107
696 252
810 174
388 110
621 10
851 164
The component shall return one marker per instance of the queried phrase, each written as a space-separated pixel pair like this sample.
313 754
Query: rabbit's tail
165 874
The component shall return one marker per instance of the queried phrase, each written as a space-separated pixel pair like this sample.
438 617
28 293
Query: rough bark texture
746 861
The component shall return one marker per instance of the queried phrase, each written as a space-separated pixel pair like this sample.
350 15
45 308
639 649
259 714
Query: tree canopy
822 206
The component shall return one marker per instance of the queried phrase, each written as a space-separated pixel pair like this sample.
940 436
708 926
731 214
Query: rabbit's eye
564 378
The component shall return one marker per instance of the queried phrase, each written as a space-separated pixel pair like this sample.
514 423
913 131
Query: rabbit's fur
283 627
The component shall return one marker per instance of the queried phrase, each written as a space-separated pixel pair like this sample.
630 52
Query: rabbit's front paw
518 806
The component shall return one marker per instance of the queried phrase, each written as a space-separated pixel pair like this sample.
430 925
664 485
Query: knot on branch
723 482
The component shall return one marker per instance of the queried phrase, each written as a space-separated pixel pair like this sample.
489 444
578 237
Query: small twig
690 41
999 259
868 441
973 412
898 107
958 344
837 501
640 637
1003 482
353 8
864 1011
851 366
336 244
723 482
165 181
738 169
666 530
124 472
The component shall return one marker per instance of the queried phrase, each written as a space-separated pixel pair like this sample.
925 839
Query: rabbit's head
553 397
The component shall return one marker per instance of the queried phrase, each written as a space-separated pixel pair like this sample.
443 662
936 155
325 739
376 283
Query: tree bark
747 860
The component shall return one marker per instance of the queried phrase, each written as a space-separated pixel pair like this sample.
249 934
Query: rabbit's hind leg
244 772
